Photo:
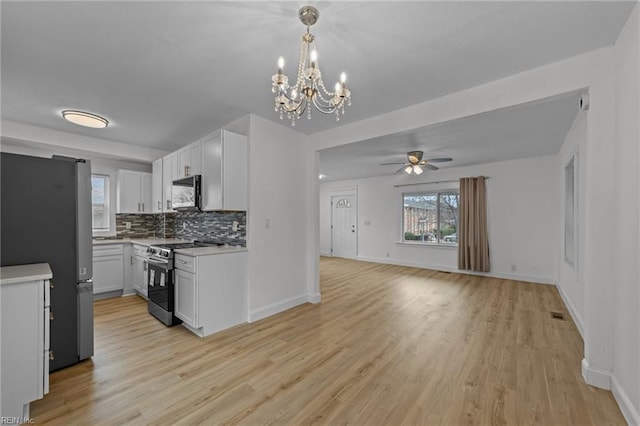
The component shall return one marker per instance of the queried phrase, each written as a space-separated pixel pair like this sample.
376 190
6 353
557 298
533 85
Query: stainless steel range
161 279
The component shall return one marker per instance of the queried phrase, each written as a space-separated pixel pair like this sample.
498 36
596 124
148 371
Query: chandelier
309 88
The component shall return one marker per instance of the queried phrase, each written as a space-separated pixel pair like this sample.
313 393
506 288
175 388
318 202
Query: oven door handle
158 262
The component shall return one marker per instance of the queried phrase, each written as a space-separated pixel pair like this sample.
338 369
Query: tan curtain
473 238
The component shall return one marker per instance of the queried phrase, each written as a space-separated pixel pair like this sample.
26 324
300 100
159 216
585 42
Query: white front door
343 226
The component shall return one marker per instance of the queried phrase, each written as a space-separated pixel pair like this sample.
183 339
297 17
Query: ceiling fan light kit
309 89
415 164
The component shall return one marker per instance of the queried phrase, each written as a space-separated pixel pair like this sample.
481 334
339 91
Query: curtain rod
427 183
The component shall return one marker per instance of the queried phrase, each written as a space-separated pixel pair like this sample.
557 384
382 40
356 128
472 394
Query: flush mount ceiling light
309 89
85 119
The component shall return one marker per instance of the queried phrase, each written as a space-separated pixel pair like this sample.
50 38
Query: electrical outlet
387 254
514 268
367 222
234 226
127 225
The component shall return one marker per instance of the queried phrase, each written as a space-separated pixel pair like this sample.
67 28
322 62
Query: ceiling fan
415 163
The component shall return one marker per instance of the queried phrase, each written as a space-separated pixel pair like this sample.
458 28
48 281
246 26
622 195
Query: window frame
438 194
107 204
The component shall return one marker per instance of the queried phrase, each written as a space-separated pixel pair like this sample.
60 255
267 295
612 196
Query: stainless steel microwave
186 193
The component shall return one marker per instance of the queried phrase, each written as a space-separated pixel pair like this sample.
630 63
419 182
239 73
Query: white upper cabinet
224 172
156 187
190 160
134 192
169 174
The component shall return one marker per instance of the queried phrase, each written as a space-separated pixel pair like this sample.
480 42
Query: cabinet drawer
186 263
110 250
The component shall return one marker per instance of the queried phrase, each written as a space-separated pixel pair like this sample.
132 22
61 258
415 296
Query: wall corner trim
596 376
314 298
630 413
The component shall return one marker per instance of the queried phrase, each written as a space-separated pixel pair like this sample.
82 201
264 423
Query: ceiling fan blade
389 164
431 166
439 160
401 169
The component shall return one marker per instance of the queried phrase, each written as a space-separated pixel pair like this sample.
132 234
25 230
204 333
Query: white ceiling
167 73
528 130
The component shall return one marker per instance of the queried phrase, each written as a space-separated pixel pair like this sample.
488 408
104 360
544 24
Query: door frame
341 192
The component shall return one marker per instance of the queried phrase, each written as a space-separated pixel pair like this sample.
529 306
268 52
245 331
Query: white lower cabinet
24 341
108 268
185 297
211 291
140 269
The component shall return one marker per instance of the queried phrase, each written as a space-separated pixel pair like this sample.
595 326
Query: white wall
98 165
277 193
626 273
522 208
571 278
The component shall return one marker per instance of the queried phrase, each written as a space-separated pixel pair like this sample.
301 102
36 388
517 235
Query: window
570 205
430 217
100 202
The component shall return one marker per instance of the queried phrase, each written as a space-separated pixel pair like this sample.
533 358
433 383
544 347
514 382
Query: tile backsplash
210 226
141 225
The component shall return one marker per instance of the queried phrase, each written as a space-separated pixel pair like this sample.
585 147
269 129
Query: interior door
343 226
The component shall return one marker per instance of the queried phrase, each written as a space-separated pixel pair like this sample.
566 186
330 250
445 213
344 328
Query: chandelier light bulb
338 87
280 64
313 56
294 93
343 78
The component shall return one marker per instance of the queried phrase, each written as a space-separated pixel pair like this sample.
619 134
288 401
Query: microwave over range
186 193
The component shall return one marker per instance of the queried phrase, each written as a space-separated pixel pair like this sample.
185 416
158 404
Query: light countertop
196 251
25 273
141 241
205 251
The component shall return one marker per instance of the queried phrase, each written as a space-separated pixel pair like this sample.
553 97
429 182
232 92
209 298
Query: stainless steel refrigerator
45 216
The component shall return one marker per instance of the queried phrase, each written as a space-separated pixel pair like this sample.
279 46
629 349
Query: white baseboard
325 253
630 413
577 319
313 298
515 277
276 308
596 376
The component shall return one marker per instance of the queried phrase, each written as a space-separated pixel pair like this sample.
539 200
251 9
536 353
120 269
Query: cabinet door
184 162
169 174
185 297
128 192
212 174
146 203
195 159
235 164
108 274
156 186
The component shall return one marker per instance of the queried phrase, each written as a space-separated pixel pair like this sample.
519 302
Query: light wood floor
387 345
